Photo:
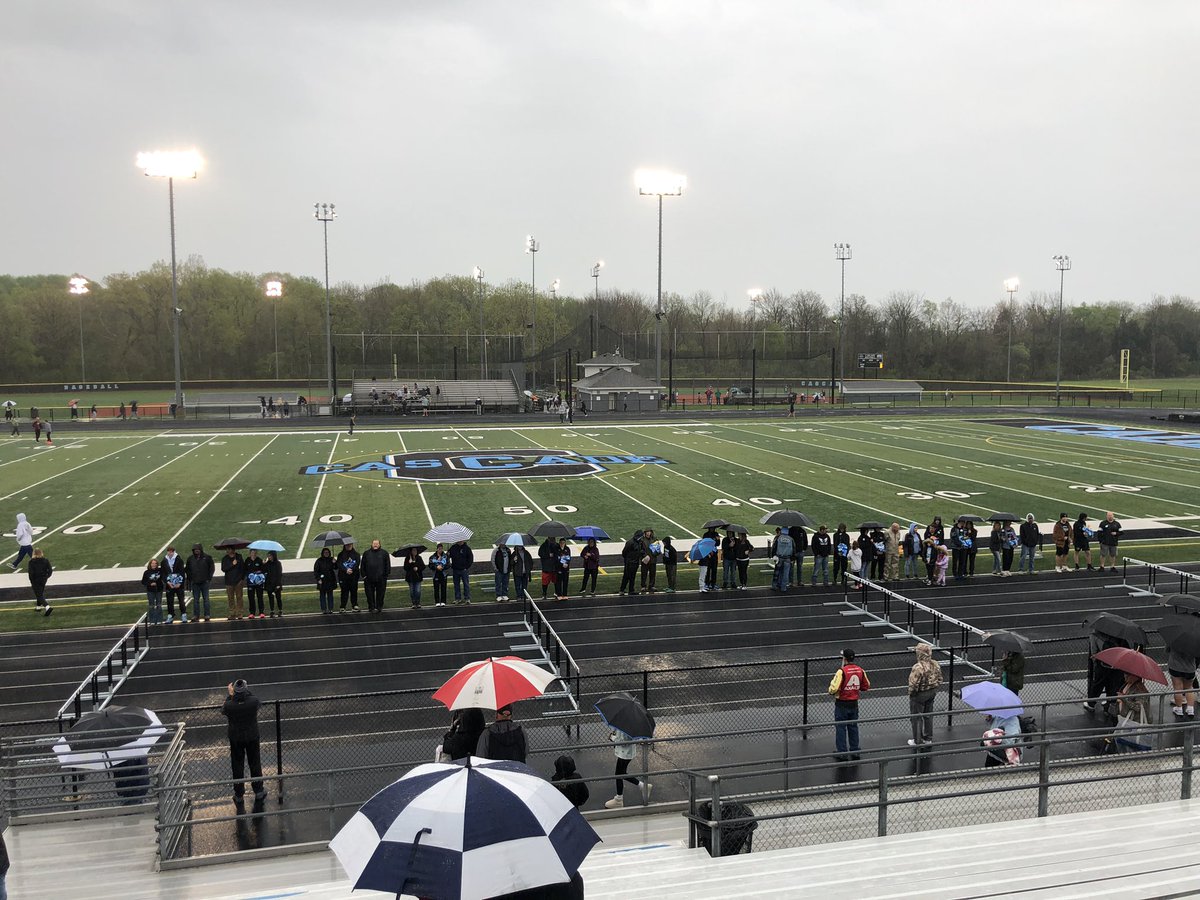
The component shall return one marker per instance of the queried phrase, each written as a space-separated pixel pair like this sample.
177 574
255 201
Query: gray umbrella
1003 517
1008 641
1116 626
1181 634
714 523
1182 602
868 526
969 517
737 529
332 539
785 518
554 529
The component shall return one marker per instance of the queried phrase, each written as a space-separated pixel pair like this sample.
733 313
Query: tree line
229 327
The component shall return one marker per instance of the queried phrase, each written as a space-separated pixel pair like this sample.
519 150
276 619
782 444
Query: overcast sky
951 144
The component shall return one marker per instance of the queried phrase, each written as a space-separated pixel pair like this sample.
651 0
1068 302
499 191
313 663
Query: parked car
737 395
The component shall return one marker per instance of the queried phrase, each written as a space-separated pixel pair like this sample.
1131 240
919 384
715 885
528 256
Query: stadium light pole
172 164
532 247
554 286
659 183
754 295
1063 264
1011 285
595 306
478 273
274 291
843 253
326 213
79 287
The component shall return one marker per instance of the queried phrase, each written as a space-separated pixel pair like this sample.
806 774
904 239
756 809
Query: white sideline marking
116 493
215 495
316 500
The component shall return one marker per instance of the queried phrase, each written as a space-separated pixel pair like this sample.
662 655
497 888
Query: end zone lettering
437 465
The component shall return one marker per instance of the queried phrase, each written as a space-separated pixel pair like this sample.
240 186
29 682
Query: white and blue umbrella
267 545
449 533
470 829
516 539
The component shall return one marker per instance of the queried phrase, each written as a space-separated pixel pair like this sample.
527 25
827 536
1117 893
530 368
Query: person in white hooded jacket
24 540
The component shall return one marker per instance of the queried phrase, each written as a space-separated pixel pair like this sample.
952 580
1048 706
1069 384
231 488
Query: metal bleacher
444 396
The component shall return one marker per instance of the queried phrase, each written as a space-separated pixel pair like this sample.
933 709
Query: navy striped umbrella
470 829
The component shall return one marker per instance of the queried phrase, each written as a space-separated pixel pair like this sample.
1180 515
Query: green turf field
101 499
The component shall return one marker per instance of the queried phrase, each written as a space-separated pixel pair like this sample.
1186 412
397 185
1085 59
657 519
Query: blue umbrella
992 699
583 532
474 828
267 545
702 548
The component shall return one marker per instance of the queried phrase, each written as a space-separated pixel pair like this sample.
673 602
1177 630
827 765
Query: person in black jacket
152 581
1110 533
241 711
522 565
347 562
325 571
1081 540
670 558
569 782
631 557
174 575
199 569
274 583
256 583
414 574
234 568
40 571
466 725
841 552
548 557
501 564
800 539
504 738
1031 542
461 560
376 568
822 549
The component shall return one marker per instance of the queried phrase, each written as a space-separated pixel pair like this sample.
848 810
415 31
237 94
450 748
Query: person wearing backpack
785 549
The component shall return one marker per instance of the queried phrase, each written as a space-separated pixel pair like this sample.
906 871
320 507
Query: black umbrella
403 551
714 523
1008 641
786 518
1182 602
868 526
236 543
969 517
516 539
1181 634
737 529
1003 517
622 712
553 528
1116 626
332 539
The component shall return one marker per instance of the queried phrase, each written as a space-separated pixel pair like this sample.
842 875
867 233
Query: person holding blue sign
256 583
841 552
173 575
347 563
1081 538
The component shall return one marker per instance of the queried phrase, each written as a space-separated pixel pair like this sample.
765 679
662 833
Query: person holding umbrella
256 582
461 560
241 712
628 722
504 738
522 565
348 575
502 566
590 555
234 569
742 551
624 749
841 552
325 571
274 583
958 549
174 574
562 575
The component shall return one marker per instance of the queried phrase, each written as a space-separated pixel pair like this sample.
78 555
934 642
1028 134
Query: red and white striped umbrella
493 683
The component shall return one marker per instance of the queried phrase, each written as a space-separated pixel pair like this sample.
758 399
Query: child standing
943 563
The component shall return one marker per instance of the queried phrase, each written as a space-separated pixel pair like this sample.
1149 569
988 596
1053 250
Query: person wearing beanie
241 711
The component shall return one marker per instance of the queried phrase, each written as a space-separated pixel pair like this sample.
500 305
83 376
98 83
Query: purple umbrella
992 699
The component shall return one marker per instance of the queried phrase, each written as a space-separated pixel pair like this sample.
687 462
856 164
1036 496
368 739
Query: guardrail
1152 573
722 821
102 683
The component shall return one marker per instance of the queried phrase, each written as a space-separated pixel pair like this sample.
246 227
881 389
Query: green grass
105 498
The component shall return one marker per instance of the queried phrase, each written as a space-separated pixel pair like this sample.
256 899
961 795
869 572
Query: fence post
714 782
646 688
1043 779
804 703
691 811
329 798
787 761
1185 781
279 747
950 693
883 797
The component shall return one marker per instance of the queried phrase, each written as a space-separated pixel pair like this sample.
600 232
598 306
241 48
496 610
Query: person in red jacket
849 681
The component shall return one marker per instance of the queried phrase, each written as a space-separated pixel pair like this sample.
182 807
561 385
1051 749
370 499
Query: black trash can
735 839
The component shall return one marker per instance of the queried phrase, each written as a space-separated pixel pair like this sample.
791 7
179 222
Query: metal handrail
542 626
91 681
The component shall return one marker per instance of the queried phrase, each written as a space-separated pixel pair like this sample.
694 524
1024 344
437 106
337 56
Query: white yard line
215 495
799 484
528 499
80 466
420 490
117 493
316 501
